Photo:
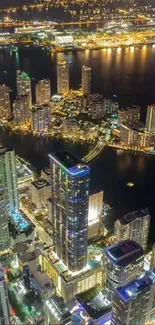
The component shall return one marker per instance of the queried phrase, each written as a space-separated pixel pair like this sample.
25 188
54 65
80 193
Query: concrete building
129 114
150 118
69 195
21 111
122 263
86 80
56 311
40 191
135 226
5 107
109 106
41 118
43 92
152 263
24 86
46 174
95 213
4 301
134 303
62 77
135 136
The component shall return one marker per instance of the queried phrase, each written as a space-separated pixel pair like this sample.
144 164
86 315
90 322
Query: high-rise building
95 213
24 85
136 136
86 80
8 195
152 263
41 118
5 108
123 262
43 92
134 303
69 196
135 226
4 301
62 77
21 111
150 118
129 114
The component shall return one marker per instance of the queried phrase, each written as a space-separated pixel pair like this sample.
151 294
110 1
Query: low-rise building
56 312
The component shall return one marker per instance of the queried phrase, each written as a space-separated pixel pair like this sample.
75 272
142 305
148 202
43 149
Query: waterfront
126 74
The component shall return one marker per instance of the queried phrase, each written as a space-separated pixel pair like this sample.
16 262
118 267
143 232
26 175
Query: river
130 75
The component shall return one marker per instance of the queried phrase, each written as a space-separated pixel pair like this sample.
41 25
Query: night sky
4 3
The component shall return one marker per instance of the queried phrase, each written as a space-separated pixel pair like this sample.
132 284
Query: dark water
130 75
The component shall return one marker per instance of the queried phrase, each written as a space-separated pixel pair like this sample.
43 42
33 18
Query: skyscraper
135 226
43 92
134 303
24 85
4 301
5 109
62 77
86 80
41 118
21 110
123 262
150 118
69 199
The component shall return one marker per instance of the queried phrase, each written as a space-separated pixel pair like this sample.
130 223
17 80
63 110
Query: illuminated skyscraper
21 110
86 80
24 85
4 301
62 77
5 109
150 118
135 226
8 194
134 303
43 92
123 262
69 199
41 118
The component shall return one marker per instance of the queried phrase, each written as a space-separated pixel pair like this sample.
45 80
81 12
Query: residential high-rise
69 197
8 195
152 263
21 111
86 80
41 118
150 118
24 85
129 114
5 108
62 77
135 226
4 301
123 262
134 303
43 92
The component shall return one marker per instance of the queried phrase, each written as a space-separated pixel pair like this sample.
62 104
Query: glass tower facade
69 200
4 301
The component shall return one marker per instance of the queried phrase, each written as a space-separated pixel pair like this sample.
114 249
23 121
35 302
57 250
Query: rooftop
4 149
133 215
58 308
70 163
124 252
40 183
29 256
47 171
133 288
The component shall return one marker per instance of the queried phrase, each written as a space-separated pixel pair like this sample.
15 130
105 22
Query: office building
86 80
135 226
95 214
69 195
43 92
123 262
134 303
150 118
21 111
56 311
9 195
5 107
135 136
41 118
129 114
40 192
62 77
4 301
24 85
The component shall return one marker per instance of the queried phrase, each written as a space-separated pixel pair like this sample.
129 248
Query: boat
130 184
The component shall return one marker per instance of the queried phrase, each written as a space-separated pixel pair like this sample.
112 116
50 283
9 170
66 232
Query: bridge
95 151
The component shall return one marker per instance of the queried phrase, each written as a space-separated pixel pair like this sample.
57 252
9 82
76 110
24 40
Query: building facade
134 303
40 191
21 111
135 226
95 213
150 118
135 136
24 85
5 107
86 80
41 118
123 262
69 195
62 77
43 92
129 114
4 301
